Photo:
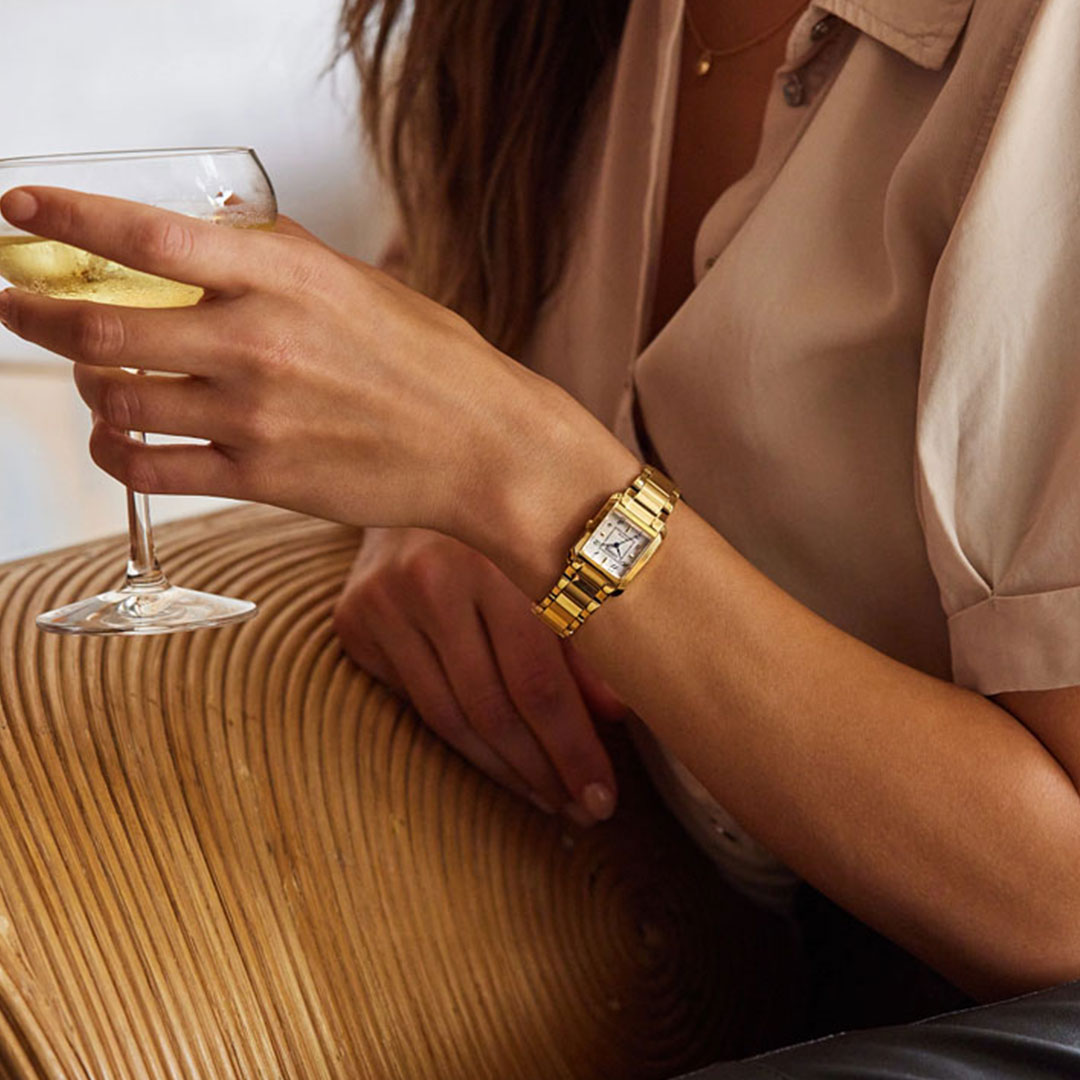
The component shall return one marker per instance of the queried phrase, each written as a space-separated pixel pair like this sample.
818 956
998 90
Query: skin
949 821
440 623
522 711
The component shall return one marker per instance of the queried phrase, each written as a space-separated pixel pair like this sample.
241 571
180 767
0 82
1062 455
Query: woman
834 302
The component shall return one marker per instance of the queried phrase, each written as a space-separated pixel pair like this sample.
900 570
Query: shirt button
794 91
822 28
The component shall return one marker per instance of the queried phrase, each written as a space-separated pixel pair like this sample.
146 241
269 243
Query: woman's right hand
439 622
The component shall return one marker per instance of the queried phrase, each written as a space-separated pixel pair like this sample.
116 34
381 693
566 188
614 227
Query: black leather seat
1034 1037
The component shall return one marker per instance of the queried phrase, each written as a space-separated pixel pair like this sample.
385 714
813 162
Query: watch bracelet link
582 588
579 591
655 493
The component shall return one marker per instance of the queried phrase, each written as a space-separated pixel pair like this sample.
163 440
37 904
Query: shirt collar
925 31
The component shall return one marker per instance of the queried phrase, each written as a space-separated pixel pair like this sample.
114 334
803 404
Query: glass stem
143 571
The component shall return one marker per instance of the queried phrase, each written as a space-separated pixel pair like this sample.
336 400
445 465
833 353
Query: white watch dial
616 544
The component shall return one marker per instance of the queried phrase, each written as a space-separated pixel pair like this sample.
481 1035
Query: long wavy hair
475 109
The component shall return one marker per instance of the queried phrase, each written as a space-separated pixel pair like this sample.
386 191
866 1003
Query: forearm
925 809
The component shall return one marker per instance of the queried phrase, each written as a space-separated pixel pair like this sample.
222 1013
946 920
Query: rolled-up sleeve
998 427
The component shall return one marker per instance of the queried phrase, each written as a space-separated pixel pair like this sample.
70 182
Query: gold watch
616 544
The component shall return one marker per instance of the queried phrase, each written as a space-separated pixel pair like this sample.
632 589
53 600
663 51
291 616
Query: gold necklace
709 55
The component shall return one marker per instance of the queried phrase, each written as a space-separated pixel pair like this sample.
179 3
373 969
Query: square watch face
616 544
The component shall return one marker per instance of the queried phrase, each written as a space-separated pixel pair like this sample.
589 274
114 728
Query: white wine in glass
225 185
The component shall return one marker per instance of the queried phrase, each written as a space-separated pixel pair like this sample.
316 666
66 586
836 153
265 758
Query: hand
318 383
436 620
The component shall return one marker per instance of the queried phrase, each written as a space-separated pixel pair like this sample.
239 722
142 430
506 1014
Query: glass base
146 611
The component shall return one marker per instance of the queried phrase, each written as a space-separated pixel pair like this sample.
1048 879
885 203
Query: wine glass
226 185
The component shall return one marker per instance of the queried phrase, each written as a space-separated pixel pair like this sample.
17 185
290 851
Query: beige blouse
873 391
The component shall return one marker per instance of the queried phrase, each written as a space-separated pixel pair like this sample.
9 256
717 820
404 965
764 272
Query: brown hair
476 108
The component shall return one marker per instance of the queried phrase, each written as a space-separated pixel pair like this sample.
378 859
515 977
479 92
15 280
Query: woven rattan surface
230 854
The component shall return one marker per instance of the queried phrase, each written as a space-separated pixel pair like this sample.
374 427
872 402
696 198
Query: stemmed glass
226 185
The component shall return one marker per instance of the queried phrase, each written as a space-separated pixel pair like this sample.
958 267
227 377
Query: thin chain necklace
708 55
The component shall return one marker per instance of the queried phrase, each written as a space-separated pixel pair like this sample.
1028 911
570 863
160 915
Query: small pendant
704 65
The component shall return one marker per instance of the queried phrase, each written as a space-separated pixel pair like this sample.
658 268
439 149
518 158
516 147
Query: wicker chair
230 854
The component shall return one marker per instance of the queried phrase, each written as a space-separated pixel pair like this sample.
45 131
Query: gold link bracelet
638 516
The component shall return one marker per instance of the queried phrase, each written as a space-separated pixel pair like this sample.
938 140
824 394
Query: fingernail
18 205
599 800
539 803
5 307
578 816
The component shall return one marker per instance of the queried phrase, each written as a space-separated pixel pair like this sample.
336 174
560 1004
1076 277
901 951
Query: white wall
113 74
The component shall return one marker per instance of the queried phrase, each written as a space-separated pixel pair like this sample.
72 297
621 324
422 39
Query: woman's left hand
319 384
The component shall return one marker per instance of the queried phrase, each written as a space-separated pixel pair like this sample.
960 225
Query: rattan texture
230 854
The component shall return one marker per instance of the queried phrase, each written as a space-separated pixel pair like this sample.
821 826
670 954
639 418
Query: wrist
552 471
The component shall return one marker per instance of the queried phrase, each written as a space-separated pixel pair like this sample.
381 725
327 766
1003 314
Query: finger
107 335
429 690
364 651
599 698
376 663
165 470
171 245
542 687
465 654
159 404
